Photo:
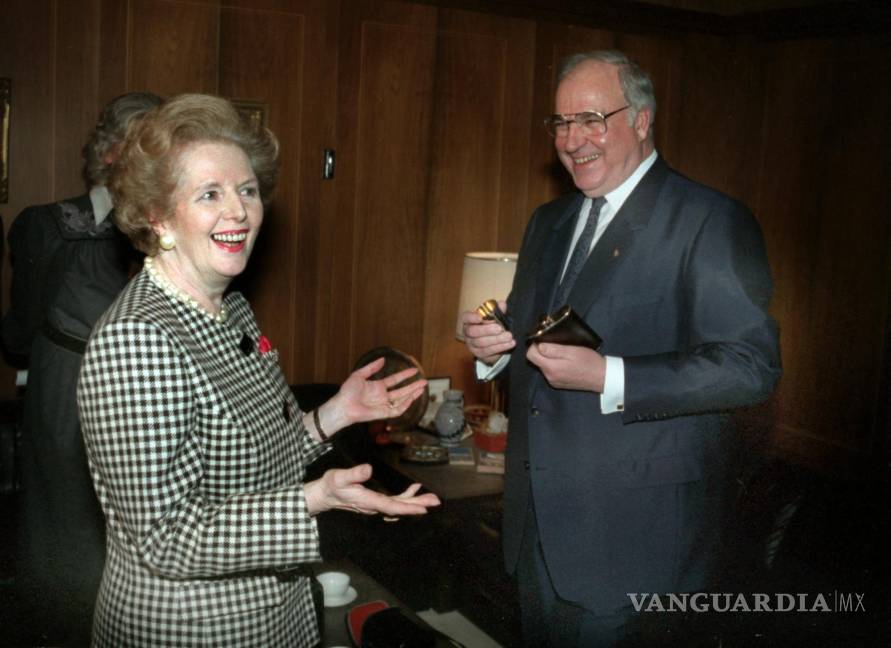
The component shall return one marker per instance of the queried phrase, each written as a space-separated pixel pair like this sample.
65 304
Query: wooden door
277 55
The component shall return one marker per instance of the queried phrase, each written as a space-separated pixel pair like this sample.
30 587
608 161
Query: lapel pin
616 253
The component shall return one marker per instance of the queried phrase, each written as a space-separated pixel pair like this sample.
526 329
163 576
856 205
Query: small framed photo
253 111
437 388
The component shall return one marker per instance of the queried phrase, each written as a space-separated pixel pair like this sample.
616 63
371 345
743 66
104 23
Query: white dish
349 597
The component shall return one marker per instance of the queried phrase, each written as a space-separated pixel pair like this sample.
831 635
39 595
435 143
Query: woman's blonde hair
145 177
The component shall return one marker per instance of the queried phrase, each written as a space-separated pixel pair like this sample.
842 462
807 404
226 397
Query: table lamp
487 275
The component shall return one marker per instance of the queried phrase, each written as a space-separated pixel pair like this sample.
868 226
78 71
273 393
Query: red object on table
490 442
356 618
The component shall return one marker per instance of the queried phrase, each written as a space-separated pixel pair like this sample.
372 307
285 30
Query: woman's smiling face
217 213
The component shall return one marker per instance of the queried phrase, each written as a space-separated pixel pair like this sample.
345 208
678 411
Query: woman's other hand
343 489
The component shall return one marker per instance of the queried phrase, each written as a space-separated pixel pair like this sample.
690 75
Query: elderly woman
196 445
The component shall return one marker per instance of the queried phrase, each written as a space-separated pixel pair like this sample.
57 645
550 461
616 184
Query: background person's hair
637 87
144 181
110 130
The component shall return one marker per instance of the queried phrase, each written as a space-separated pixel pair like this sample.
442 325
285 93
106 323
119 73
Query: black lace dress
66 272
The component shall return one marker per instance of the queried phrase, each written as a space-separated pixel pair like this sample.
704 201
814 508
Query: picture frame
437 388
255 112
5 109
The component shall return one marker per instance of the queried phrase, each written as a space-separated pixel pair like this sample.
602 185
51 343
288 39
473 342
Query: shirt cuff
486 372
612 399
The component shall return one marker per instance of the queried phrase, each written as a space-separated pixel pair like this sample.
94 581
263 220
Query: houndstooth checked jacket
197 451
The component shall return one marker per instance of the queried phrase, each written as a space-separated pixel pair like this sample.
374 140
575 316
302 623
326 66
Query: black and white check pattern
197 452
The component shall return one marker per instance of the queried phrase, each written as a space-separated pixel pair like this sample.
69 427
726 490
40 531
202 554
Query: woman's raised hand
362 399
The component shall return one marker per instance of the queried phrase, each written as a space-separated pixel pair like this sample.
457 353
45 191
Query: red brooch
264 345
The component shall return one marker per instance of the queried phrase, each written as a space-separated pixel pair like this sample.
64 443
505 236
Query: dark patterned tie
579 254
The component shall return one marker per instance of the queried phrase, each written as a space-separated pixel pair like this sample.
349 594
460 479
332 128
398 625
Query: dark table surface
449 482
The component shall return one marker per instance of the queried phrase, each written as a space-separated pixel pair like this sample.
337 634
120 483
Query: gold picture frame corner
255 112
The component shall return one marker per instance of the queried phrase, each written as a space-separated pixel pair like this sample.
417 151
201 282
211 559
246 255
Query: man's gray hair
110 131
636 84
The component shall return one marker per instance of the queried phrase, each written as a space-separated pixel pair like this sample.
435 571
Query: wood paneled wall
434 113
823 201
434 125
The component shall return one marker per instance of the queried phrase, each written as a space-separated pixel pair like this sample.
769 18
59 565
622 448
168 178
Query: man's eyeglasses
589 123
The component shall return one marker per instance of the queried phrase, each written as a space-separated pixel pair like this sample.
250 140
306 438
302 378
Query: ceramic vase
450 418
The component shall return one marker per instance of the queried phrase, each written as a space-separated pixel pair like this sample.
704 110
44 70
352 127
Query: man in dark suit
615 463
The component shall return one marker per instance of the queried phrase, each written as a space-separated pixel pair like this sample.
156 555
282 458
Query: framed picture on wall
436 387
5 107
253 111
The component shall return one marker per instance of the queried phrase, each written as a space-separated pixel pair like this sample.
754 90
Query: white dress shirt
101 201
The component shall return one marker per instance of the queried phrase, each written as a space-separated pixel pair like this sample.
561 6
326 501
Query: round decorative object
450 418
394 362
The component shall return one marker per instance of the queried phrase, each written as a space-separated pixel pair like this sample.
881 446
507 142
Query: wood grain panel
77 68
273 75
464 184
823 204
112 64
172 46
480 147
390 210
264 49
27 56
373 252
716 124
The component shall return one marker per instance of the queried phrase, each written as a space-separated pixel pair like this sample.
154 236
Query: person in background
69 262
615 460
196 444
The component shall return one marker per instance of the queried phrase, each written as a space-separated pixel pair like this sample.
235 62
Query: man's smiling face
599 164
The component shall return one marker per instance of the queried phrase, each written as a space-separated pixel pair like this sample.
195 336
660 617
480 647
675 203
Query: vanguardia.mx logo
749 602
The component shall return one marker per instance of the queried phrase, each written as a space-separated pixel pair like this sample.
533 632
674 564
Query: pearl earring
166 241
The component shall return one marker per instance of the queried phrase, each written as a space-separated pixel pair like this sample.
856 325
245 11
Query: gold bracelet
315 418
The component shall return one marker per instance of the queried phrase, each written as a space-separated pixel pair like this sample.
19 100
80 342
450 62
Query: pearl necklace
164 284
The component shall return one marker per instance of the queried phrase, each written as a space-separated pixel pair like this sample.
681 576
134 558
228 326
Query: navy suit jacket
679 287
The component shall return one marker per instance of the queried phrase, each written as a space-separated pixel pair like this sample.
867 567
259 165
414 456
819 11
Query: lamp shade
487 275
